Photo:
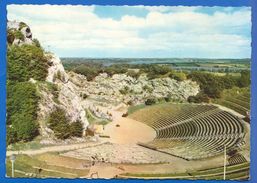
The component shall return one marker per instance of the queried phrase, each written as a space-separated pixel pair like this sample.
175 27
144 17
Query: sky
139 31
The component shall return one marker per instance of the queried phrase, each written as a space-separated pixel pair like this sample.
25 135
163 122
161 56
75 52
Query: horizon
180 58
139 31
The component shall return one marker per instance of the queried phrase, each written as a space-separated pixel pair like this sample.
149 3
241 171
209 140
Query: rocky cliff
57 90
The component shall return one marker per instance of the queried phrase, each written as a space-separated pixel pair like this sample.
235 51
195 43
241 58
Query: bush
22 25
150 101
148 88
36 43
83 95
167 98
199 98
133 74
125 90
125 114
10 37
179 76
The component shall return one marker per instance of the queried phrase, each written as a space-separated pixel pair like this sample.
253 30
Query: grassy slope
233 172
25 165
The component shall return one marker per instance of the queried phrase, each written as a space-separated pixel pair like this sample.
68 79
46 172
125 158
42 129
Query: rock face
121 88
68 97
22 32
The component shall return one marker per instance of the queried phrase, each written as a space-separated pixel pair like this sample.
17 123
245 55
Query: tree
25 62
61 126
22 106
76 129
245 79
59 123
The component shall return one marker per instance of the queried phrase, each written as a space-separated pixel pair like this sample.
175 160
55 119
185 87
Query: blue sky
139 31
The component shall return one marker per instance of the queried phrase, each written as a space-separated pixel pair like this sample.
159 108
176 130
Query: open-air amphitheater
189 142
161 141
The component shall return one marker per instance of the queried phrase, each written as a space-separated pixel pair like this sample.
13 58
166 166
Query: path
57 148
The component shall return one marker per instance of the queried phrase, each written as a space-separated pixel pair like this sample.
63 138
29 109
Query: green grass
25 165
135 108
92 119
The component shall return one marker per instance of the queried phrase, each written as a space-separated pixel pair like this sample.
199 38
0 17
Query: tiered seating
236 159
192 131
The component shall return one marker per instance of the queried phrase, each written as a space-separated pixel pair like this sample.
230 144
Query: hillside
55 107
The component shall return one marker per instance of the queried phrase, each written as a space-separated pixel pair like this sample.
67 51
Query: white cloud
169 29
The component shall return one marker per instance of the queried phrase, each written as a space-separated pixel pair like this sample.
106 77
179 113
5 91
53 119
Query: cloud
168 31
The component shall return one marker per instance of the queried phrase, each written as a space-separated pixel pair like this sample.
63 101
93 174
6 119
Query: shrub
133 74
18 35
84 95
148 88
150 101
125 114
130 102
167 98
36 43
125 90
22 25
199 98
179 76
10 36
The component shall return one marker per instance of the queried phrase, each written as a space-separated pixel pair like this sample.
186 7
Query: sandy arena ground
129 131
